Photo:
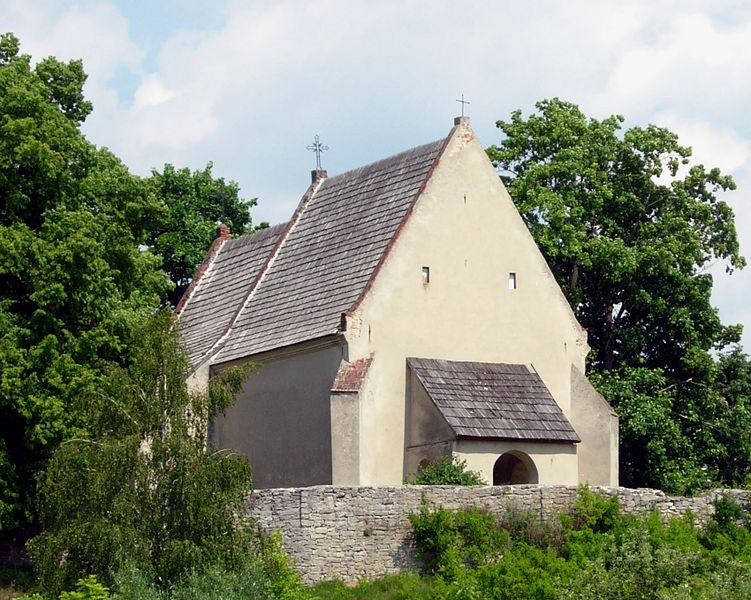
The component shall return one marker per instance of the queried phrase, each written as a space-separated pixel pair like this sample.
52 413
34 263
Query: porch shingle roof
493 400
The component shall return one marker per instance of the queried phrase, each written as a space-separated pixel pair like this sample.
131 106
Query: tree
72 277
629 227
144 488
195 202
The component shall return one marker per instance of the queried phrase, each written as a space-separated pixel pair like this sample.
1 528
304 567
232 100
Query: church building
404 313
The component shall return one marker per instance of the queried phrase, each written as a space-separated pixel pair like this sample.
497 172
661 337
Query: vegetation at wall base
593 552
446 470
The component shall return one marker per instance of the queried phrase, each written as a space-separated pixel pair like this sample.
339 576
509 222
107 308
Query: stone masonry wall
351 533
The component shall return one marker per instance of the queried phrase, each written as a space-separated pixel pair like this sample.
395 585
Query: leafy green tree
195 202
144 488
733 385
629 227
72 276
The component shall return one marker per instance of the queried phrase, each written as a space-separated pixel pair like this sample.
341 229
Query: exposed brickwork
351 375
354 532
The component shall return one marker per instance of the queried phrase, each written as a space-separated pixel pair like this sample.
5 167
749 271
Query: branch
125 412
82 441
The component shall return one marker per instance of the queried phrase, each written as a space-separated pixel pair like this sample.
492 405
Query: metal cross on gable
317 147
463 102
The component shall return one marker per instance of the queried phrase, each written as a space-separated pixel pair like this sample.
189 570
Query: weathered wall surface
362 532
465 228
282 419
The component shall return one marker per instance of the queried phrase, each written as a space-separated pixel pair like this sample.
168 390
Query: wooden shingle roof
336 241
222 288
493 400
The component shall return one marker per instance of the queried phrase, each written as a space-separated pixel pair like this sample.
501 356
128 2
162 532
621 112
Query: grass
404 586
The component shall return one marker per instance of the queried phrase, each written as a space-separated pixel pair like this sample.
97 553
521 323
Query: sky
247 85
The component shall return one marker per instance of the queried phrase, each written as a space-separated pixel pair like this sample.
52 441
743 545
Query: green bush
144 486
448 541
592 552
268 577
404 586
87 588
447 470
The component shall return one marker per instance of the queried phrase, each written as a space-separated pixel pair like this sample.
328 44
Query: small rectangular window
512 281
426 274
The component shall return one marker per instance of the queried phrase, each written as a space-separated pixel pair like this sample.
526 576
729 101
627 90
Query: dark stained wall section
282 420
427 435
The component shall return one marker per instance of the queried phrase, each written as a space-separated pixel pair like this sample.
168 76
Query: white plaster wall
597 425
556 464
466 229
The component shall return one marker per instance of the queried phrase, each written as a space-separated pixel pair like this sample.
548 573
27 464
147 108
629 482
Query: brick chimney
318 174
223 232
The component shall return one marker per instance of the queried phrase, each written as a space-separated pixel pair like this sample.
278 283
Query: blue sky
247 85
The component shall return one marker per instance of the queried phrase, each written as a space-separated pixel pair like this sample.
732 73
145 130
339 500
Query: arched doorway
514 468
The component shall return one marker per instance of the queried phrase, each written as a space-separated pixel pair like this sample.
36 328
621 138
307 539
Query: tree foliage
83 245
144 488
629 227
195 202
72 277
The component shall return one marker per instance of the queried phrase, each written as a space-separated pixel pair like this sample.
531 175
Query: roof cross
317 147
463 102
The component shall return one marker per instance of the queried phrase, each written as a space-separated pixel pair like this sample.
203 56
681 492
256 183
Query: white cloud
374 78
712 146
151 92
693 62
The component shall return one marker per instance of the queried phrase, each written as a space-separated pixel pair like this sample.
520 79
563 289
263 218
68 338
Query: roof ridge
259 234
205 266
293 274
307 196
387 159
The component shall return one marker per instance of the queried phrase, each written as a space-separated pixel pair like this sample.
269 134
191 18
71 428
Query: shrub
447 470
448 540
87 588
527 527
593 552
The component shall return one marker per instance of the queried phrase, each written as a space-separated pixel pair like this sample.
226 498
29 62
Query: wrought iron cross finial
463 102
317 147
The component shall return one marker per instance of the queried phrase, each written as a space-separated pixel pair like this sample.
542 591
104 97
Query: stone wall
350 533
